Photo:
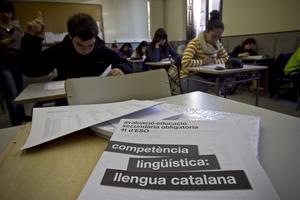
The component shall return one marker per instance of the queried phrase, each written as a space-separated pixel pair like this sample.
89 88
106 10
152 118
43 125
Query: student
248 48
205 49
114 47
140 51
293 65
11 80
81 53
160 49
125 51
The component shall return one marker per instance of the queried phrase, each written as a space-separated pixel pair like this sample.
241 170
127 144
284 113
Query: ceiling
67 1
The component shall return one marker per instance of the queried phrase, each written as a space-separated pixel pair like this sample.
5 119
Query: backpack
234 63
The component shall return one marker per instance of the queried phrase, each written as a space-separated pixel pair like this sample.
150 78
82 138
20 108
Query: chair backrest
142 86
280 62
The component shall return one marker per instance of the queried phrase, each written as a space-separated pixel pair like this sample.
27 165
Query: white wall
156 16
127 19
260 16
175 19
124 20
240 17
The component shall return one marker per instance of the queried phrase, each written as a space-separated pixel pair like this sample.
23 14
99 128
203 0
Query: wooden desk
251 70
6 134
55 170
257 59
36 92
159 63
261 60
59 169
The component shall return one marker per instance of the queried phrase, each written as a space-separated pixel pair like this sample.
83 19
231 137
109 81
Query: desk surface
36 92
257 58
59 169
159 63
136 60
55 170
212 70
6 135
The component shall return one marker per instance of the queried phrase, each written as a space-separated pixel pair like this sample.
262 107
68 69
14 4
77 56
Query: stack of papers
200 155
54 122
148 159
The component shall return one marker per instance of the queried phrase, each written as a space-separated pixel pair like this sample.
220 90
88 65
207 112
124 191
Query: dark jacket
157 54
9 54
66 60
239 49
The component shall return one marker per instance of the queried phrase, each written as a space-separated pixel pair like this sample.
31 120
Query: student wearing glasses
81 53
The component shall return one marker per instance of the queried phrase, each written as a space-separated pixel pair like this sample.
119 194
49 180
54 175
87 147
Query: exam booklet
249 126
158 112
167 159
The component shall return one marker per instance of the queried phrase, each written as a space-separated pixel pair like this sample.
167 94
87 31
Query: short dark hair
215 21
114 45
83 26
249 41
126 44
7 7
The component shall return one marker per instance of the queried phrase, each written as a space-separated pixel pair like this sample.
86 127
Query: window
149 22
197 15
125 21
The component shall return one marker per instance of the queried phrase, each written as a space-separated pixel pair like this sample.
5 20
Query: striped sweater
194 55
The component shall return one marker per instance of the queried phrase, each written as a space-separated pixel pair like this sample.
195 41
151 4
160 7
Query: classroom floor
279 105
241 95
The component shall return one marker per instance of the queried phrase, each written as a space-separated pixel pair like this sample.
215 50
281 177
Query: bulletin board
55 15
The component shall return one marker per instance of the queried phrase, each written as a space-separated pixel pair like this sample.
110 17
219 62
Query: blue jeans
11 83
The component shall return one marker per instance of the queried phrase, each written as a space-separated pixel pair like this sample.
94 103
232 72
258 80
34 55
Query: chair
285 83
180 49
289 83
276 72
142 86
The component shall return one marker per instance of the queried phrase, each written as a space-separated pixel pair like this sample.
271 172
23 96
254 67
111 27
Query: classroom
80 77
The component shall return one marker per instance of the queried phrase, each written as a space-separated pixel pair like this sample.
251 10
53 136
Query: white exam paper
219 138
53 122
249 126
157 112
213 66
106 72
55 85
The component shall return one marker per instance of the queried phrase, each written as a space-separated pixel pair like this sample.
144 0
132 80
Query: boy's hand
115 72
245 54
36 27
